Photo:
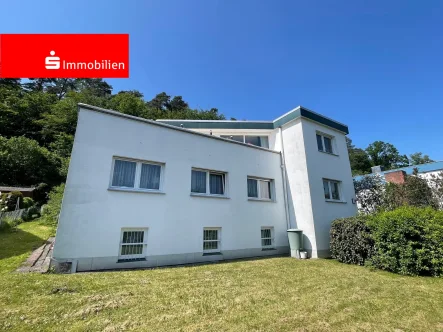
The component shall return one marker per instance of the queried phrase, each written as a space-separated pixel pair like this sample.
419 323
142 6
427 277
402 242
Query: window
262 141
211 240
208 182
132 244
267 237
260 188
324 143
134 174
331 189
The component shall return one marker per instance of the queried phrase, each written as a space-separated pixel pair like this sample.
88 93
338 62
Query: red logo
64 55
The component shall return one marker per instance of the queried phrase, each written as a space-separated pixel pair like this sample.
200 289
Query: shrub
27 202
9 201
408 240
8 224
31 213
52 209
351 241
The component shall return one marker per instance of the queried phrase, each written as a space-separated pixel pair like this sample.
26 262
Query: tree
418 158
370 190
14 83
24 162
386 155
358 158
159 102
129 103
62 86
94 86
39 84
177 104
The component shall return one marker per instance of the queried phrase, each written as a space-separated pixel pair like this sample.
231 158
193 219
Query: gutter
283 174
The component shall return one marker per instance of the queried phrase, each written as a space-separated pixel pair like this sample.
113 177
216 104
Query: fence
12 214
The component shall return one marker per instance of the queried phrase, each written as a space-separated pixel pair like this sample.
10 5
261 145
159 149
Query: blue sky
373 65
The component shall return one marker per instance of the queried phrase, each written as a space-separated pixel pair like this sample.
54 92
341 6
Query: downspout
283 173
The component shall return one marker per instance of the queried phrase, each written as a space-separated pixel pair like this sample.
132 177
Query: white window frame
340 194
208 190
323 135
260 182
218 250
272 245
144 243
138 170
227 136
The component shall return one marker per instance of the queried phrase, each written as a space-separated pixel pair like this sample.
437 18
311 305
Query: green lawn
278 294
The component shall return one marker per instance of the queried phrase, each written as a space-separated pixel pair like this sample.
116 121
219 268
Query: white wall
92 216
334 167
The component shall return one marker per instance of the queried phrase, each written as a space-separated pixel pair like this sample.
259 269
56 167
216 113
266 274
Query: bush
8 224
351 240
9 201
31 213
52 209
27 202
408 240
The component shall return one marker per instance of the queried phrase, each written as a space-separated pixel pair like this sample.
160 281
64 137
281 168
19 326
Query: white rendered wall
334 167
92 216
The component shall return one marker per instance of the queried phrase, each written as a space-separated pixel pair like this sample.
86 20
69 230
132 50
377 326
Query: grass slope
277 294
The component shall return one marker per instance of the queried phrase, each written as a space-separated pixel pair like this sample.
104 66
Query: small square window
208 182
260 188
267 237
331 190
324 143
211 240
132 244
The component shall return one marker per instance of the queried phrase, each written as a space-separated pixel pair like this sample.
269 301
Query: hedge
351 241
408 240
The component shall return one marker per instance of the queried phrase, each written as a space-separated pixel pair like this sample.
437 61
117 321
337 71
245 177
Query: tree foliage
418 158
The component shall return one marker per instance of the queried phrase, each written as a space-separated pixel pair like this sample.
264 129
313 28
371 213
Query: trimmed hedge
351 241
408 240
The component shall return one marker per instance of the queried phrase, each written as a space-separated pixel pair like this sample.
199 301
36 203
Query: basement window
267 237
133 243
211 240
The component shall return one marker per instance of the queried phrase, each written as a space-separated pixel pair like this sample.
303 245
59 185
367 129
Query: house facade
143 193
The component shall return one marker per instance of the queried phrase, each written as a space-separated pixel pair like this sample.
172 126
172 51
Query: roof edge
160 124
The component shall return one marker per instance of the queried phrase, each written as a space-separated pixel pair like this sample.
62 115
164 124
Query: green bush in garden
351 240
52 209
407 240
9 201
27 202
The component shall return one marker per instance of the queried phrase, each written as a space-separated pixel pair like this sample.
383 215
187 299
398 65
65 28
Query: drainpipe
283 174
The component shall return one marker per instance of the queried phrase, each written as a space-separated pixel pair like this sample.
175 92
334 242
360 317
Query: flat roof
165 125
297 112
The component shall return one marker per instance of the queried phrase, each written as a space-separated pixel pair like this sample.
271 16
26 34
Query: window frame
208 187
219 243
323 136
138 169
340 194
144 244
272 238
259 184
244 139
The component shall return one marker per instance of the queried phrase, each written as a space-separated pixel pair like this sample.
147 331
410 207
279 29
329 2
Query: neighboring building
143 193
398 175
26 191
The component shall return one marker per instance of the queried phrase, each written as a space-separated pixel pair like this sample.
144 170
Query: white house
143 193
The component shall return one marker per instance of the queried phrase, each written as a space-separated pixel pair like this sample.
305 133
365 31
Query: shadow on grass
224 261
16 242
